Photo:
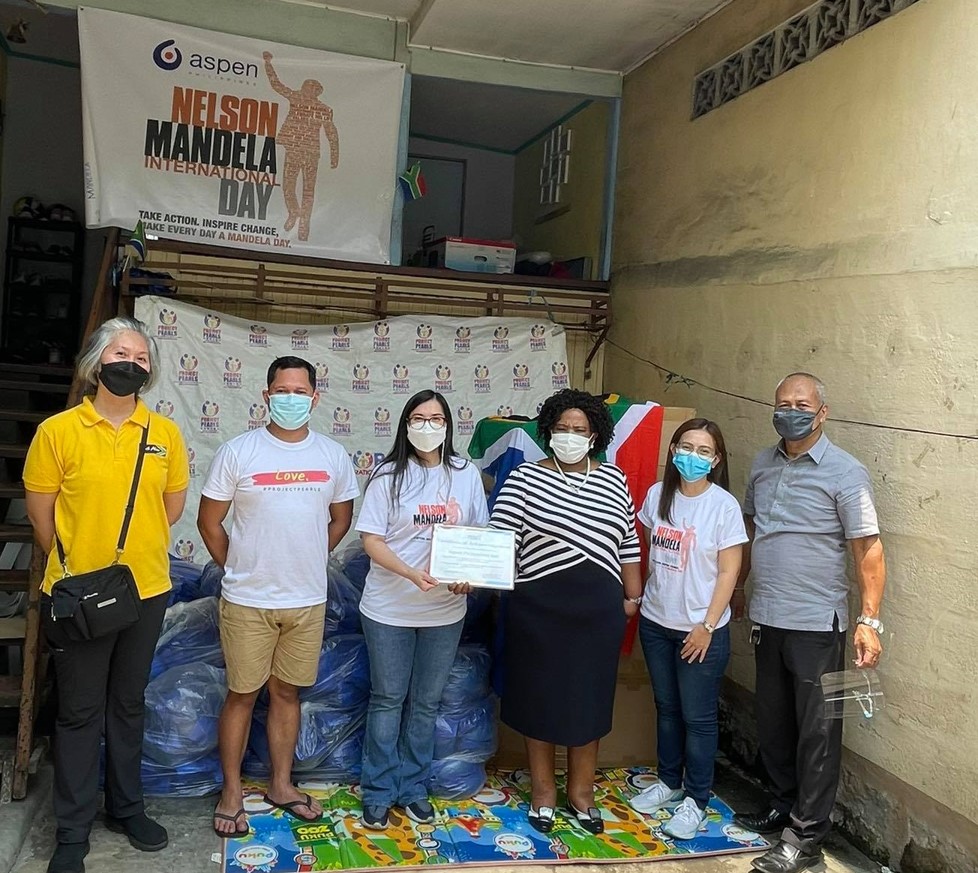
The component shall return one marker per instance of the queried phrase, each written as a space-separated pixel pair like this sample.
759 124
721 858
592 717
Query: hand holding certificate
482 556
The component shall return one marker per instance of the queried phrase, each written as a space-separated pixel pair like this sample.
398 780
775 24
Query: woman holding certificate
578 579
411 623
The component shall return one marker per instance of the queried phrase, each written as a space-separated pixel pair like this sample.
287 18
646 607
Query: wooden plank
37 369
9 450
11 490
33 387
29 684
14 580
28 416
15 533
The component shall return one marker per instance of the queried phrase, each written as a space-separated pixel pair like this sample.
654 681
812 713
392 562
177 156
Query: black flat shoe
590 820
769 822
541 819
785 858
68 858
143 833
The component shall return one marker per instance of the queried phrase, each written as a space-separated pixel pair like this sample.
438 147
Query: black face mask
123 378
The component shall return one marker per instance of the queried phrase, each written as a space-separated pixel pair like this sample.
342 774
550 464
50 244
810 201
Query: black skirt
563 636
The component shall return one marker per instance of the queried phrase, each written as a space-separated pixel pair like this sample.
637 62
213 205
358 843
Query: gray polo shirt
805 509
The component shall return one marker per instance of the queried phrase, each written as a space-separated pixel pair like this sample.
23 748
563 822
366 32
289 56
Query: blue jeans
686 706
409 667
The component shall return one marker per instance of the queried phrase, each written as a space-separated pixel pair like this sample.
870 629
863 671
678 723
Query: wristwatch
873 623
636 600
709 627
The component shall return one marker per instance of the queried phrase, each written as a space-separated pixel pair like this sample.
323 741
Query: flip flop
541 819
236 833
291 805
591 820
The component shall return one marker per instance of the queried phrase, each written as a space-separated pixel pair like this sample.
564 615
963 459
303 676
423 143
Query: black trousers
101 684
801 749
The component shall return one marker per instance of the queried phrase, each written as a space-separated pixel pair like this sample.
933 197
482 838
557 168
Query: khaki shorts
258 643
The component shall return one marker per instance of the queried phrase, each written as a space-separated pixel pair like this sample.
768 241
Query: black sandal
289 808
541 819
237 832
591 820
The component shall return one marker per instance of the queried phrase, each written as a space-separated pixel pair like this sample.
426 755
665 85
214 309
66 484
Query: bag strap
130 505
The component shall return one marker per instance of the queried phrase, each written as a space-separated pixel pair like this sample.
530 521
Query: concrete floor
192 844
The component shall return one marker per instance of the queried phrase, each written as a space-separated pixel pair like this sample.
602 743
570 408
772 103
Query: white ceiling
600 34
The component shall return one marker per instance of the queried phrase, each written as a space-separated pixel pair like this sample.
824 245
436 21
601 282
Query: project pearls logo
185 549
232 372
361 379
322 376
382 336
401 383
187 374
443 379
192 461
340 340
465 420
463 340
167 328
212 328
521 377
365 461
300 339
164 408
258 336
538 338
481 384
560 379
341 421
504 411
210 421
382 422
257 415
500 339
167 56
424 342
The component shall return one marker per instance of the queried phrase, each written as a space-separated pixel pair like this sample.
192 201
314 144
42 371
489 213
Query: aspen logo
184 549
167 56
382 336
256 859
500 339
504 411
232 372
212 328
341 421
361 379
210 421
340 341
400 384
165 408
382 421
560 378
466 420
538 338
258 336
482 384
192 459
521 377
257 415
322 377
443 379
424 342
463 340
300 339
187 374
167 328
365 461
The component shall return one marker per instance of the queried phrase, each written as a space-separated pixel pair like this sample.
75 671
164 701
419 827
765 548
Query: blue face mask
692 467
290 411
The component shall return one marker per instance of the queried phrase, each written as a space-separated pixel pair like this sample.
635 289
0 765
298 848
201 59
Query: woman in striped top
577 550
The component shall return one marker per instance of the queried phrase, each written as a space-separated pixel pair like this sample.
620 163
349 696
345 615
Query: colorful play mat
491 827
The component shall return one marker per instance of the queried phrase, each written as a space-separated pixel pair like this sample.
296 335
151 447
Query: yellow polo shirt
89 464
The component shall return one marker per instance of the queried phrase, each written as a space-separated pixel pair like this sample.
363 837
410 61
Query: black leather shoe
785 858
143 833
769 822
68 858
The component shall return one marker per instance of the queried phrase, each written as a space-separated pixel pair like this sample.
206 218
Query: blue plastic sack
185 579
343 601
182 708
453 779
195 779
468 734
211 579
477 627
189 635
343 679
468 682
356 565
321 732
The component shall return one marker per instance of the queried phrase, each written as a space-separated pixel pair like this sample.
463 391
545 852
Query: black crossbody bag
104 601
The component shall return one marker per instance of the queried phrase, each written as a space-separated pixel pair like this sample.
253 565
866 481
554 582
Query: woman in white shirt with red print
412 624
695 530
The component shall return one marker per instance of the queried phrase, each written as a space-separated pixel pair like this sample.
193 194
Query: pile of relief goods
187 689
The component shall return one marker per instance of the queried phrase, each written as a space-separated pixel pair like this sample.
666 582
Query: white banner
231 141
213 370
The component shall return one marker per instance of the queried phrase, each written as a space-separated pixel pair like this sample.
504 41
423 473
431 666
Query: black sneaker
420 811
375 817
68 858
143 833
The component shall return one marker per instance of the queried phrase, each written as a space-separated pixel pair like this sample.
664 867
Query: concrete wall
827 221
577 232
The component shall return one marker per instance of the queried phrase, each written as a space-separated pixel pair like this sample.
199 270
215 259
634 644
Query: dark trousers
685 706
801 749
101 684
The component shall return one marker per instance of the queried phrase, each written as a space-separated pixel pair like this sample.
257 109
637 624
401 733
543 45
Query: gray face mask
794 424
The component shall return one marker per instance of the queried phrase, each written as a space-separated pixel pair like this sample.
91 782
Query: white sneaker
685 821
654 797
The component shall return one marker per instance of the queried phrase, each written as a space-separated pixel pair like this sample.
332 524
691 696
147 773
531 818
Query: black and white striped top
558 527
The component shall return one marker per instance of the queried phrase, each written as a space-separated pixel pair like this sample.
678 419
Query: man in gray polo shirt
806 500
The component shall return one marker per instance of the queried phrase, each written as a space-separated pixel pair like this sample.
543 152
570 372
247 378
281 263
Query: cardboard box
472 255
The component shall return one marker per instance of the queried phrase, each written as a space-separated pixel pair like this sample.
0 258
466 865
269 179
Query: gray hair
818 383
89 360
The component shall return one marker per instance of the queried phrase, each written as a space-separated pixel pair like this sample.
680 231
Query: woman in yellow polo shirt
77 476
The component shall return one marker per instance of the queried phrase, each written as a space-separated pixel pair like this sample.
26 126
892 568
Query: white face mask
428 438
570 447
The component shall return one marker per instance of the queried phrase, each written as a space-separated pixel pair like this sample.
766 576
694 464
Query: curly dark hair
593 407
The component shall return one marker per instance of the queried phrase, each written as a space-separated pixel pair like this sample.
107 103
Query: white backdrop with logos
213 370
225 140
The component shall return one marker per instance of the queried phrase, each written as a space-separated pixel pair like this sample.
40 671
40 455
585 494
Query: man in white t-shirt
292 490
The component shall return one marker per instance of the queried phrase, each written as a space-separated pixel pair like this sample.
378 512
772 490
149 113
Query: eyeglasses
704 452
416 422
